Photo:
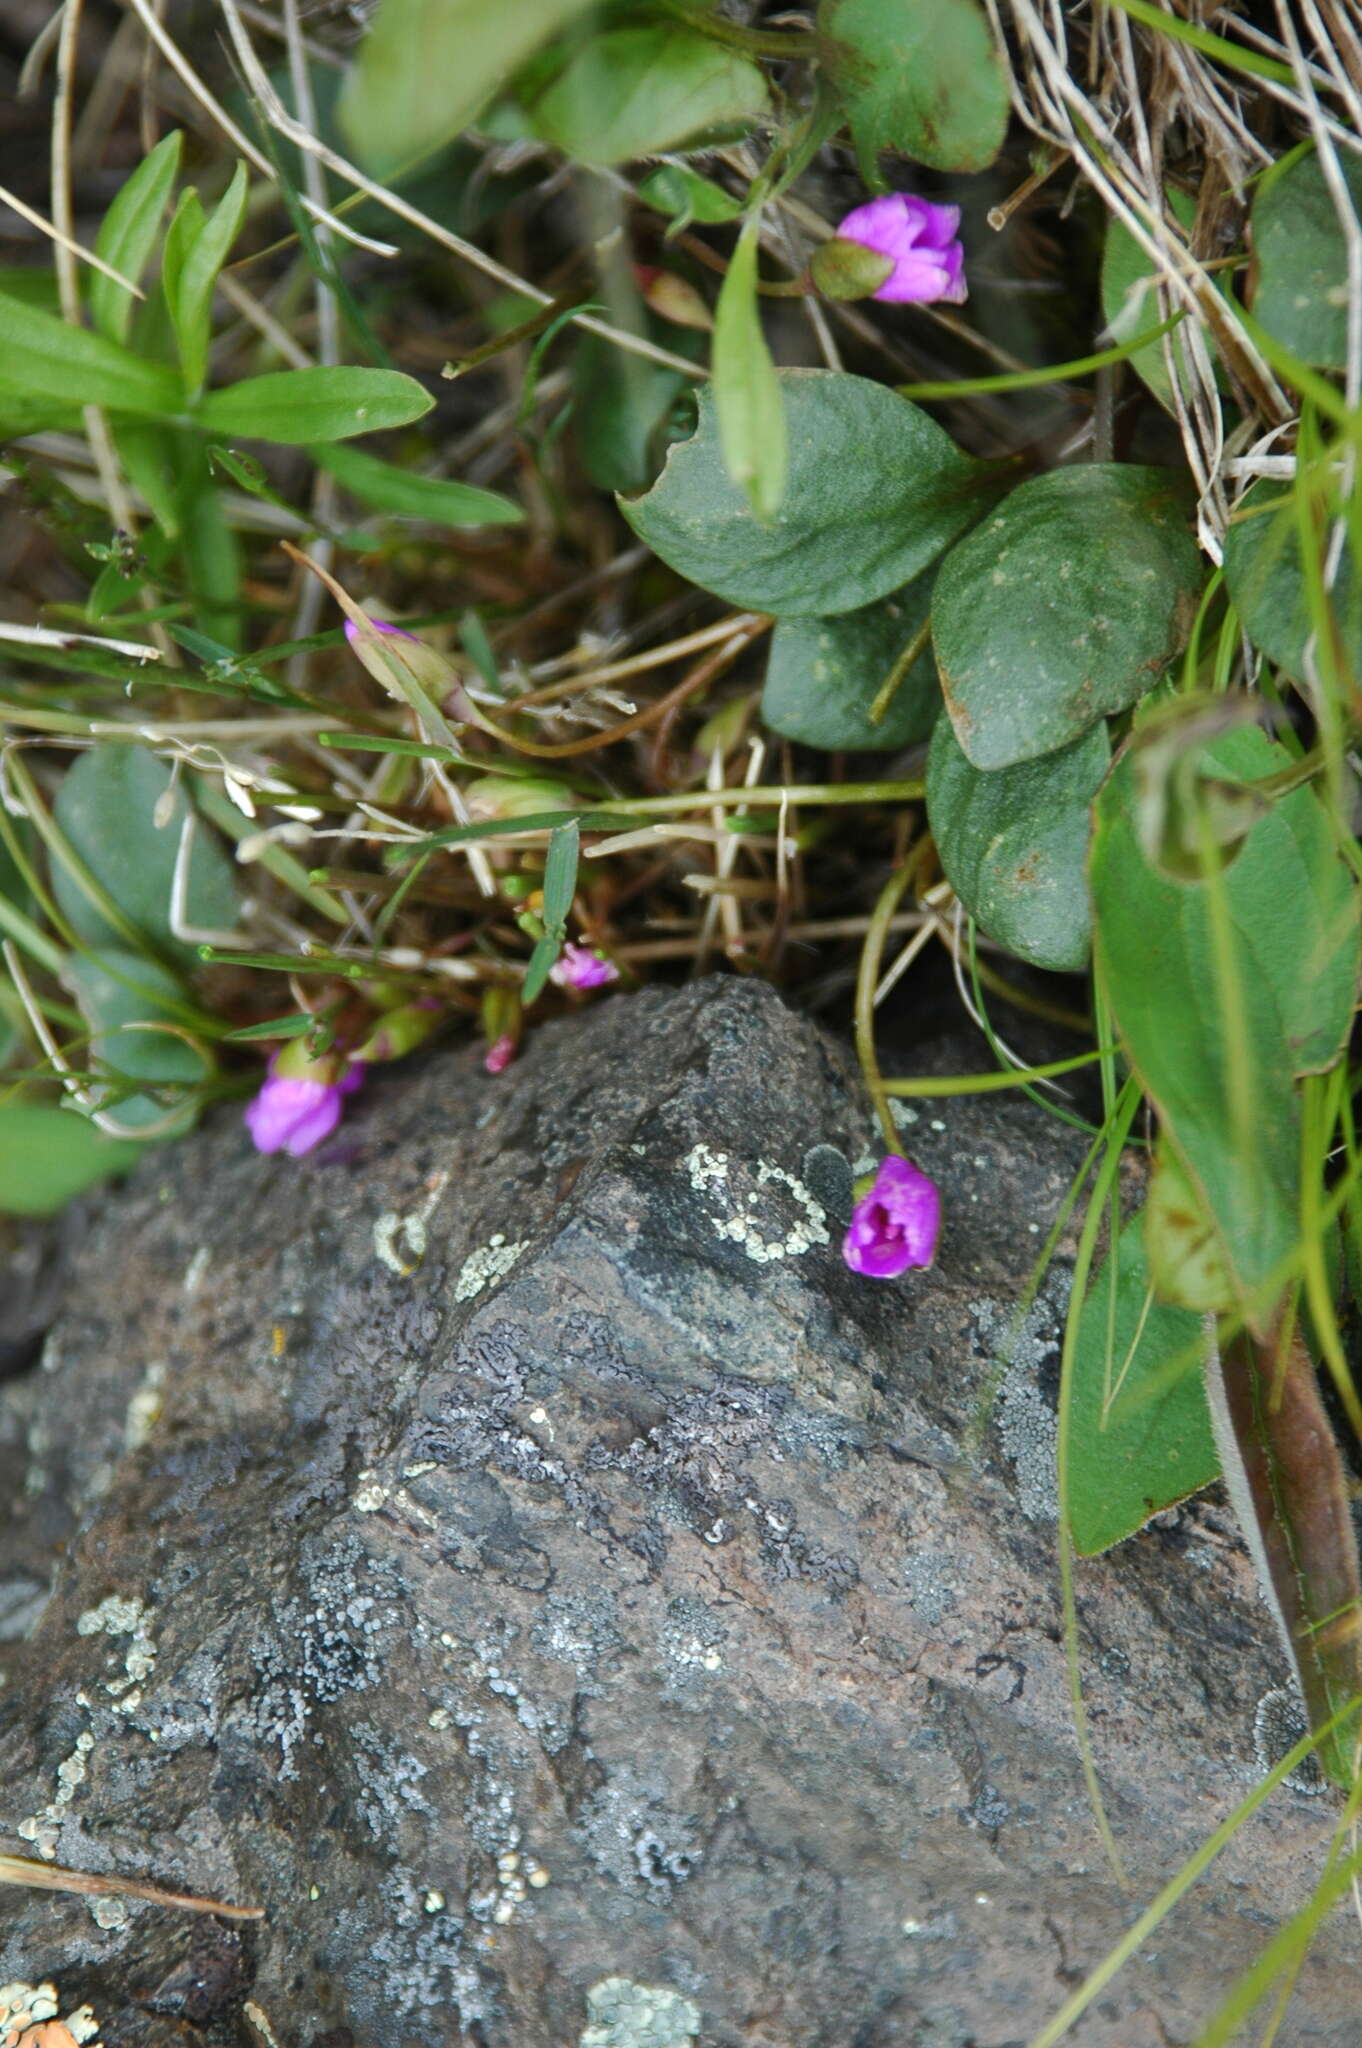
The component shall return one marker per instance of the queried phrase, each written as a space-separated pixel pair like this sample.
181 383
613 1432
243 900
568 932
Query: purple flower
293 1113
919 239
895 1225
386 625
581 968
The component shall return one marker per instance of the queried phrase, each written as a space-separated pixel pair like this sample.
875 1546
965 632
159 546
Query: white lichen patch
622 2014
43 1828
490 1262
108 1913
750 1222
29 2019
118 1616
1025 1417
144 1409
411 1230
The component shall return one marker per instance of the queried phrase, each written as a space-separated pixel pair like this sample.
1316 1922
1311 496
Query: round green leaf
923 77
1265 580
824 674
48 1155
1301 260
634 92
1014 841
119 994
293 407
107 809
1066 605
875 491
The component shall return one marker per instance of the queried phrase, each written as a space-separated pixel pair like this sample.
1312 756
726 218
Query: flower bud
398 1032
843 269
919 240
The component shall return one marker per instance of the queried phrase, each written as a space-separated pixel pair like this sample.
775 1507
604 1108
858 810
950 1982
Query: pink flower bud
293 1112
500 1055
919 239
895 1225
380 626
581 968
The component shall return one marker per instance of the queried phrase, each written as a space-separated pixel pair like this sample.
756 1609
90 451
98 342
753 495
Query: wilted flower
896 1224
301 1105
582 968
500 1054
919 239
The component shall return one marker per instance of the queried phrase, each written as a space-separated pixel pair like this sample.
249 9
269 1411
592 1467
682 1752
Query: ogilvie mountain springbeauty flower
896 1224
919 239
581 968
300 1103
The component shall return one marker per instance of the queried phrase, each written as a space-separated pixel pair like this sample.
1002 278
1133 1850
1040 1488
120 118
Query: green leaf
119 993
545 953
127 235
1014 842
426 67
747 398
294 407
1223 989
186 225
560 874
1301 259
1066 605
633 92
405 491
875 491
1186 1264
1266 581
823 675
209 544
191 304
45 358
621 405
1130 302
923 77
678 190
1140 1441
107 810
48 1155
148 454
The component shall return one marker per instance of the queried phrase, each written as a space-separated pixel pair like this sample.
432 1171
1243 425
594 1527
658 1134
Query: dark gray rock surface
510 1547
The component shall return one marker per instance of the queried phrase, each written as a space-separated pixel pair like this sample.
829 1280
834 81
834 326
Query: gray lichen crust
514 1551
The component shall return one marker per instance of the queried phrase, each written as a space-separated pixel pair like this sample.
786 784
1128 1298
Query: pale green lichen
623 2014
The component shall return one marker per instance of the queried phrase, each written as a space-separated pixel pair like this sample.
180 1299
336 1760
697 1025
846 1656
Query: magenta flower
920 241
581 968
293 1113
500 1054
386 625
895 1225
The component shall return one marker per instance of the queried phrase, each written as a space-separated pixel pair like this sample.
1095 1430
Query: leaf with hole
1140 1436
1266 581
49 1155
638 91
43 357
1066 605
875 492
127 235
389 488
823 675
1300 257
107 810
1013 843
922 77
747 394
426 67
293 407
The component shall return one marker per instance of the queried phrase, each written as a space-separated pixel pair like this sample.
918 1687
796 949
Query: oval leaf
1140 1440
1265 579
293 407
45 358
48 1155
875 491
923 77
107 808
1014 842
823 675
120 993
635 92
1065 606
1301 259
390 489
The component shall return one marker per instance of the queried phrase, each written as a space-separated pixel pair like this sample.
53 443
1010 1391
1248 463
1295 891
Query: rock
512 1549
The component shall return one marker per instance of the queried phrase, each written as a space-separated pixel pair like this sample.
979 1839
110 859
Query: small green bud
843 269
